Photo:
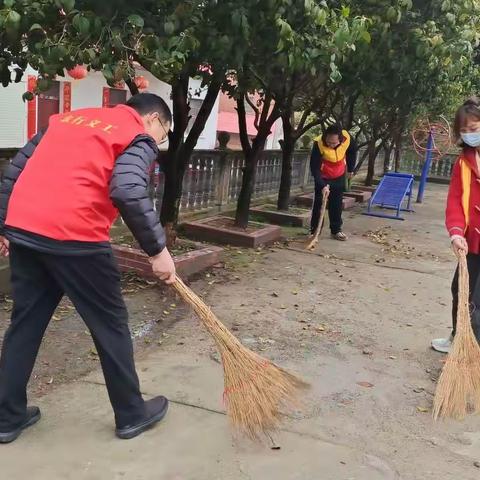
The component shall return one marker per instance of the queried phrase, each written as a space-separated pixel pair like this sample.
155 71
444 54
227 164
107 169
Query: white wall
208 138
156 86
86 93
277 135
13 115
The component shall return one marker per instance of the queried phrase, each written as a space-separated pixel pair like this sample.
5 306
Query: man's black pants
92 282
473 262
335 205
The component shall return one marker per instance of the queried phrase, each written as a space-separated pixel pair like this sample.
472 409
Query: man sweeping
333 156
58 201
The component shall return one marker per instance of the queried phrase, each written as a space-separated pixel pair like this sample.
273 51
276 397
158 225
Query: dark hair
335 129
470 109
145 103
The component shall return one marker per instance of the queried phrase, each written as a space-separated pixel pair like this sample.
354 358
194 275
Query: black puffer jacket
12 172
128 190
129 193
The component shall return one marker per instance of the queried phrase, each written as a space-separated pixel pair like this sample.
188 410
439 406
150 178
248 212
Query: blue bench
394 193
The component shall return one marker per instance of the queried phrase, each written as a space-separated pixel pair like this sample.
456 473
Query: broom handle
319 228
204 312
463 292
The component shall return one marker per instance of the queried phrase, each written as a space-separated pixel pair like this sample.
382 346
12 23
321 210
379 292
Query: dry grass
257 392
313 243
458 389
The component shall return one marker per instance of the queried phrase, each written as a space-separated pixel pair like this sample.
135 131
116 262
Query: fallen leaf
275 294
365 384
422 409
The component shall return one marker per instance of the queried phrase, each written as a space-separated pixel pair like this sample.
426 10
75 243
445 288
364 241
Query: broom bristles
257 392
458 389
313 243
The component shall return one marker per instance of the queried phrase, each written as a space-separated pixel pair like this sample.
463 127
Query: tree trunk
181 149
252 152
350 112
248 182
288 146
398 152
371 162
172 160
387 149
132 86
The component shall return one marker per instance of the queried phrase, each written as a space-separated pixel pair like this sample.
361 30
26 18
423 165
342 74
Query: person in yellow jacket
333 156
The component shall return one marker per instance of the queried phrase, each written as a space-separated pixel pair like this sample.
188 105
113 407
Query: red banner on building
32 108
106 97
67 97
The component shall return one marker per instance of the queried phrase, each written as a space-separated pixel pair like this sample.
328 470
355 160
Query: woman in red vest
463 211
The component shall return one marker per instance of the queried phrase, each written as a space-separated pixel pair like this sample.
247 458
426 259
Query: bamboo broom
458 389
256 390
313 243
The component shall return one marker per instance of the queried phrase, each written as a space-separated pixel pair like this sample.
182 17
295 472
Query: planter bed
222 230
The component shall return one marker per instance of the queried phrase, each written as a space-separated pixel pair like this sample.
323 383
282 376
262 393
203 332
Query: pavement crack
379 265
176 402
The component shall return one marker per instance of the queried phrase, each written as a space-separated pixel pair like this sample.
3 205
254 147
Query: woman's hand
459 245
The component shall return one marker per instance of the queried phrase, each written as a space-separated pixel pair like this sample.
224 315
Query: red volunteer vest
63 192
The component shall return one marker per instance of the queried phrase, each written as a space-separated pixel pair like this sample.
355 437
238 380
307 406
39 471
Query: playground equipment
430 141
394 193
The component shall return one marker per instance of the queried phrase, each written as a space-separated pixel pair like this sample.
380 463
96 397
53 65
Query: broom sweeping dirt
458 390
256 390
313 243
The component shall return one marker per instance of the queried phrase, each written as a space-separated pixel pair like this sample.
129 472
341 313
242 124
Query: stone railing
440 169
213 178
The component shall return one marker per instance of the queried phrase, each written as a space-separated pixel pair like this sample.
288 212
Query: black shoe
33 416
156 409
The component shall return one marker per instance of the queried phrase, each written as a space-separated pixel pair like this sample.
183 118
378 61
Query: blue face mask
472 139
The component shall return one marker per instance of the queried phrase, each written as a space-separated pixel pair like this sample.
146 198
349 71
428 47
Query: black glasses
164 131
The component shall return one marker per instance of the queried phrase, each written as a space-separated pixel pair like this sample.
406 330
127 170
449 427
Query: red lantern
141 82
78 72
